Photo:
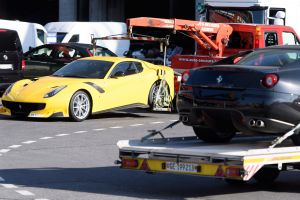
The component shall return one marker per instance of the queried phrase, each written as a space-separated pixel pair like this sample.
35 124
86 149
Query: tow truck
215 41
261 157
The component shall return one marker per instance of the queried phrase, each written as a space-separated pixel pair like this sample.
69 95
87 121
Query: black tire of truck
209 135
266 175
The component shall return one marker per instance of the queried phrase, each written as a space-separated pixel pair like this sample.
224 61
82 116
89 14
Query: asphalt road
63 160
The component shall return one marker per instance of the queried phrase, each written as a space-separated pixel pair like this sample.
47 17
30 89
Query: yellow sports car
91 85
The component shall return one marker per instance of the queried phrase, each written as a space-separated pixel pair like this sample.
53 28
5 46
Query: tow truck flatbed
240 159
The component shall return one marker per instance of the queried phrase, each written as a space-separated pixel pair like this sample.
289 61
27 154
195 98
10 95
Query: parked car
46 59
11 58
257 94
87 86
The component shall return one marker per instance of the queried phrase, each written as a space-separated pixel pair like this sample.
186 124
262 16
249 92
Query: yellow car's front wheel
80 106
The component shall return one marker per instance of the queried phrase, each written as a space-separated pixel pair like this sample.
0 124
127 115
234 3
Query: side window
120 69
139 67
41 53
74 38
271 39
289 38
127 68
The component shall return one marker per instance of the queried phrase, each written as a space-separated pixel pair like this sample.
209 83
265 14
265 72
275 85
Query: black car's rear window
85 69
271 57
9 40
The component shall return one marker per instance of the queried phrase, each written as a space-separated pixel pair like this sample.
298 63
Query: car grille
18 108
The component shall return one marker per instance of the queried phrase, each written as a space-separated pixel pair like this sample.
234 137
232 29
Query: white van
30 34
83 32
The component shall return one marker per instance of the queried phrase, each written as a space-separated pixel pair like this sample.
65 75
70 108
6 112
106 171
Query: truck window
235 15
271 39
60 36
240 40
289 38
273 19
41 35
74 38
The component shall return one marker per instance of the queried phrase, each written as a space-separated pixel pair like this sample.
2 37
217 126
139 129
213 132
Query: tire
266 175
80 106
296 139
209 135
153 93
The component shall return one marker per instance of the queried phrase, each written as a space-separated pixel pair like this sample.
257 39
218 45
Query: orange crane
212 37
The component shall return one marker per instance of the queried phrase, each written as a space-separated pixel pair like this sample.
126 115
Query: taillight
129 163
270 80
185 76
23 65
233 172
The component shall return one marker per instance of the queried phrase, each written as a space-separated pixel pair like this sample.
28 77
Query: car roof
294 47
111 59
71 44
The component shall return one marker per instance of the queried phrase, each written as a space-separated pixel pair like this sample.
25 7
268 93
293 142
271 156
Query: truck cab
243 37
249 11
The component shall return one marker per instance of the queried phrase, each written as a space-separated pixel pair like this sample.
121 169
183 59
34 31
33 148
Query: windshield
272 57
85 69
236 15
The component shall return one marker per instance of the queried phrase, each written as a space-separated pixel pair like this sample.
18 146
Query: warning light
129 163
233 172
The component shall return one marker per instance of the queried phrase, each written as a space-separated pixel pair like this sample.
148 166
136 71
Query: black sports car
252 92
46 59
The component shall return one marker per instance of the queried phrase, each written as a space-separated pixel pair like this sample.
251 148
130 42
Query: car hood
36 89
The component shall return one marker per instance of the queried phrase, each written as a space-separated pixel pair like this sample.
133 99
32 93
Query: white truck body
268 10
83 32
30 34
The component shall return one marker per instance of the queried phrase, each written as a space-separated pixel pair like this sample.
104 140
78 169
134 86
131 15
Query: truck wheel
296 139
80 106
209 135
266 175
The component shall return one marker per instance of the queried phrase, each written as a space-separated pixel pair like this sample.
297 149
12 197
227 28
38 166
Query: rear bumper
254 111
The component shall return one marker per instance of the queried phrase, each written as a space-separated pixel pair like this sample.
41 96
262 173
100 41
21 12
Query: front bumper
49 108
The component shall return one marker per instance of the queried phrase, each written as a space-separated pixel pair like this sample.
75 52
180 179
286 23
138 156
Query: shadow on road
117 114
119 182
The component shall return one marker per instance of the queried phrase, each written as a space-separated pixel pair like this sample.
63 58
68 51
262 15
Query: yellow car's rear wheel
80 106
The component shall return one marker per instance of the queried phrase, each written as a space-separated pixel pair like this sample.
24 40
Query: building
44 11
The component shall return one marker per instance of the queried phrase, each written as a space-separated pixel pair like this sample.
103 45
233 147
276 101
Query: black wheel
296 139
266 175
80 106
209 135
153 93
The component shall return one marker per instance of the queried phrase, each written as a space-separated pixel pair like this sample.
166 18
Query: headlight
54 91
7 91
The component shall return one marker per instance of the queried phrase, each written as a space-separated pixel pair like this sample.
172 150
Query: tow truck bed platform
240 160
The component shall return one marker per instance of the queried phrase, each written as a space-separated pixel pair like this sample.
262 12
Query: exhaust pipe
260 124
184 118
252 123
